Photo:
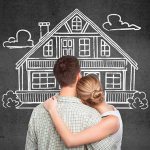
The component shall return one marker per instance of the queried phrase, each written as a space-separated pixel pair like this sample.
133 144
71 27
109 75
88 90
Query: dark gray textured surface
25 14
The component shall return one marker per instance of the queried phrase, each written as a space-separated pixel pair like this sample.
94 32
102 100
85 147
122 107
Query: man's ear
79 76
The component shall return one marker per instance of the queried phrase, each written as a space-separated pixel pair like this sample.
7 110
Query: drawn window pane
87 47
110 86
84 47
82 53
117 80
86 53
76 23
102 54
86 41
82 41
81 47
51 82
117 75
69 43
50 42
43 75
50 86
49 75
109 80
109 75
48 48
117 86
65 52
43 80
35 86
64 43
105 48
36 80
106 53
43 86
113 80
36 75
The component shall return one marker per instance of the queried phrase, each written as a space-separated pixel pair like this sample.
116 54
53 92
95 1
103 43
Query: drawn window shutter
113 80
48 49
105 49
76 24
84 47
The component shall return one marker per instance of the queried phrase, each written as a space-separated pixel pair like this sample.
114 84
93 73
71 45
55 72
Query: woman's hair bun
96 94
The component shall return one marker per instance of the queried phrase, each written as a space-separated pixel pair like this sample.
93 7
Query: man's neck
68 91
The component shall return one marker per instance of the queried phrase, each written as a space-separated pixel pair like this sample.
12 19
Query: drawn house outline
76 35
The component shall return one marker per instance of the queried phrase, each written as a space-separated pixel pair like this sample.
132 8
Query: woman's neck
104 107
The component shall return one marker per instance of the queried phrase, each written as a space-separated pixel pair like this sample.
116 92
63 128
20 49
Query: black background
25 14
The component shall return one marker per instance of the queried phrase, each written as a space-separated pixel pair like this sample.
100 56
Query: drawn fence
118 96
34 96
86 63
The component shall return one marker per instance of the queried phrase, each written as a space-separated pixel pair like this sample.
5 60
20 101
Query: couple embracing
77 117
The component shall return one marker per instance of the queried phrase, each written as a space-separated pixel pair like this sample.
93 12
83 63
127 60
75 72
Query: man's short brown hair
66 69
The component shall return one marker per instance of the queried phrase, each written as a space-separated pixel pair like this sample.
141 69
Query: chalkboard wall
25 14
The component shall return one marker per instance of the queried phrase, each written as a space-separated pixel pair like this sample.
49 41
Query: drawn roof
46 37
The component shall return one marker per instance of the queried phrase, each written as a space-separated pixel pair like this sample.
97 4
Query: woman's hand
50 104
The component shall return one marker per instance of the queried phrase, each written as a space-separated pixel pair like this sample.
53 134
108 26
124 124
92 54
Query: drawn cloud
138 101
114 22
22 40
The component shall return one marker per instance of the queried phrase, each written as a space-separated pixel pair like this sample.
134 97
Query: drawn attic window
105 48
84 47
113 80
96 73
76 24
43 80
48 48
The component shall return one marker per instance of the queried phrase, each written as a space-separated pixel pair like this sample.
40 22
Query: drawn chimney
44 28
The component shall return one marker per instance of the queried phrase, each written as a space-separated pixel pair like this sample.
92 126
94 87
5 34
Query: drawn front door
67 46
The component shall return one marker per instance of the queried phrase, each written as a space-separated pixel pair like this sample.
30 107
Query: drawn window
43 80
96 73
48 48
76 23
105 48
67 47
113 80
84 47
67 43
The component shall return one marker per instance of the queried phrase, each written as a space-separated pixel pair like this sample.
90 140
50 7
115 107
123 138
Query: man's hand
50 104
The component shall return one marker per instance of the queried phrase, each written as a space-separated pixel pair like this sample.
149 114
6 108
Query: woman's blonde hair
89 90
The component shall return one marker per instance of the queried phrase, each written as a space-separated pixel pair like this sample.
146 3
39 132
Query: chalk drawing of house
79 36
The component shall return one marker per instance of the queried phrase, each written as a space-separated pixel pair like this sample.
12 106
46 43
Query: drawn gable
63 29
89 29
